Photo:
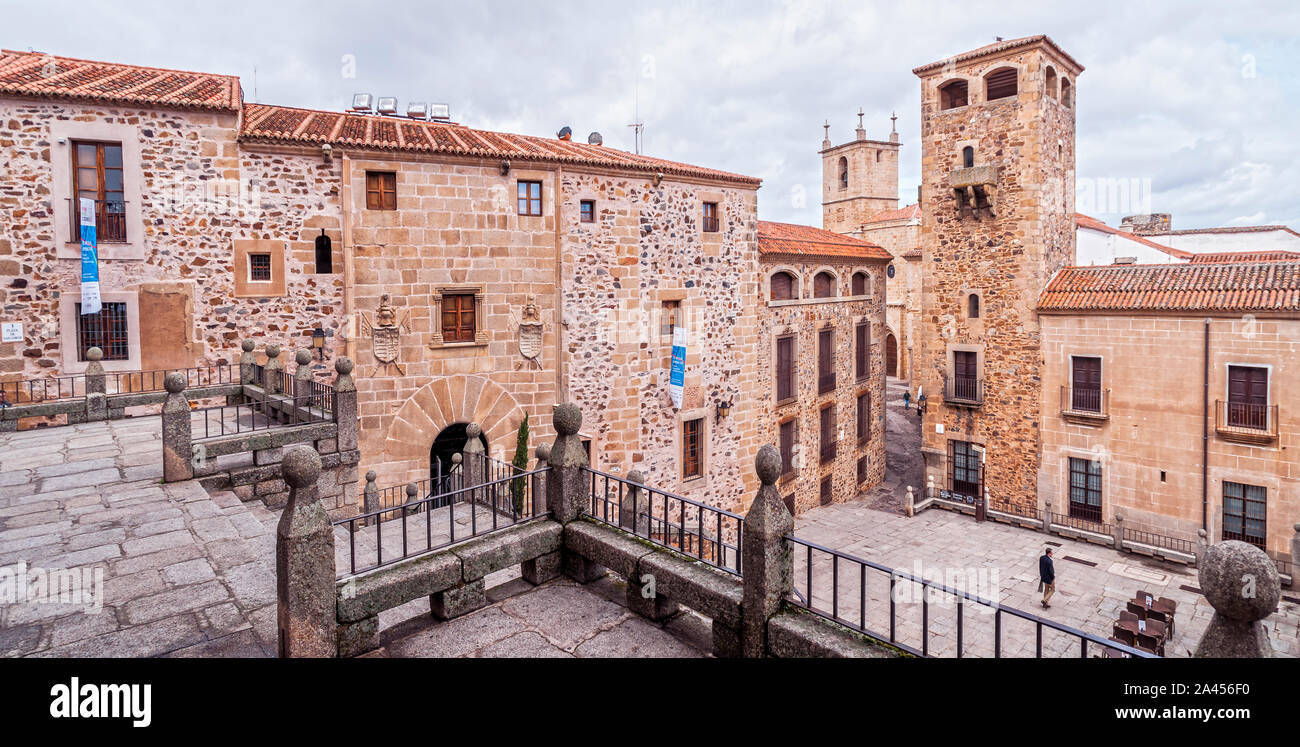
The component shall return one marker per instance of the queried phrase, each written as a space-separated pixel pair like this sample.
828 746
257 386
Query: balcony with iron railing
1085 404
1245 423
967 391
710 224
110 221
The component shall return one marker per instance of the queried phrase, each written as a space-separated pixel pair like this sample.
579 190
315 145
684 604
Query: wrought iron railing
1160 540
1243 419
710 224
709 534
968 390
245 417
110 220
1015 509
1086 523
435 522
140 382
1086 402
45 389
854 607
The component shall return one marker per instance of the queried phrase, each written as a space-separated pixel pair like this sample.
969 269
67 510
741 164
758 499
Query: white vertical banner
677 375
90 303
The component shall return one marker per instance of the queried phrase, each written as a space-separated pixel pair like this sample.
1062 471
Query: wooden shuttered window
782 287
862 350
787 437
864 417
859 284
825 497
1085 384
692 456
863 469
825 361
1248 397
381 190
784 368
827 430
458 318
823 285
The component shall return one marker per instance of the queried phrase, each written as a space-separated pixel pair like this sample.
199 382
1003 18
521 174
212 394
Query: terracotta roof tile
910 212
279 124
1218 258
33 74
789 239
1226 229
997 48
1087 221
1237 287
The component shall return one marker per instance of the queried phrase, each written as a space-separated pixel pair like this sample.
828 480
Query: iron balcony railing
963 390
1241 419
1086 518
710 224
278 411
709 534
55 388
110 221
44 389
1085 402
1160 540
846 597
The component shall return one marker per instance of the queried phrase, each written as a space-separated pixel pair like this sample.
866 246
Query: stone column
272 369
96 397
1242 584
766 559
345 405
1202 545
567 485
633 501
539 481
1117 531
370 497
1047 517
910 504
304 563
1295 557
178 454
247 363
302 376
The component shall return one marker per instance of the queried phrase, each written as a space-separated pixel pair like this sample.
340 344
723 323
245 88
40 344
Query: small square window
671 311
710 217
530 198
259 268
381 190
108 330
458 317
588 211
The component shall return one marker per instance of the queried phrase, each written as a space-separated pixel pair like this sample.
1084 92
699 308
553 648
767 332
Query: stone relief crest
386 333
530 331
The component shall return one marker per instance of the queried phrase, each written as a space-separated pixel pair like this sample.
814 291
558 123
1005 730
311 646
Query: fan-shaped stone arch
448 400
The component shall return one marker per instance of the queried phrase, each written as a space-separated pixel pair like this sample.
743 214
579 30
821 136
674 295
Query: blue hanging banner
90 303
677 376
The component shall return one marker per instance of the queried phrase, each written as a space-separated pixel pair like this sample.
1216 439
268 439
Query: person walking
907 400
920 404
1046 576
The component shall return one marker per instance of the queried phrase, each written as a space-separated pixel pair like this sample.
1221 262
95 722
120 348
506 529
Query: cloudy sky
1197 101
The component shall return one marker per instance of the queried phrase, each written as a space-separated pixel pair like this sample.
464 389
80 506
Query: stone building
473 276
997 221
821 371
1159 227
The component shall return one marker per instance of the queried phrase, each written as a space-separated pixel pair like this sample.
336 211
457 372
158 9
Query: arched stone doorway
450 440
891 355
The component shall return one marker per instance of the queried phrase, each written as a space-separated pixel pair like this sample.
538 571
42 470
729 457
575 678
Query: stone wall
872 187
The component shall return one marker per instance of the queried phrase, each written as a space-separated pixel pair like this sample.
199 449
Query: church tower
997 221
859 179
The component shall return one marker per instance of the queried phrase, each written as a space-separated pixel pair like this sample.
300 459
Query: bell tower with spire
859 178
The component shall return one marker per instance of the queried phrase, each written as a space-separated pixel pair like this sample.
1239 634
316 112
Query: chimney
1125 260
1147 224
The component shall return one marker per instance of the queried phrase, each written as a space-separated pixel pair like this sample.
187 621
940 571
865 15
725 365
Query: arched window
844 173
1051 82
973 306
967 157
860 284
824 285
324 254
1067 93
1000 83
783 287
877 156
953 94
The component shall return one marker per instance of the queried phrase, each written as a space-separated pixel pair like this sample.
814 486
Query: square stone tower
997 202
859 179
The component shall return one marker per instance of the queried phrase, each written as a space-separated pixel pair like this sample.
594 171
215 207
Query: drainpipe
1205 434
560 394
349 264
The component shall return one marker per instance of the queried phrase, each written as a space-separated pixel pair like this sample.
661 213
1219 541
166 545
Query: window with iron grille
458 319
965 473
787 438
864 417
530 197
825 496
825 361
106 330
785 368
1245 511
587 210
259 268
1085 489
827 416
862 350
692 457
381 190
711 217
789 503
863 469
97 175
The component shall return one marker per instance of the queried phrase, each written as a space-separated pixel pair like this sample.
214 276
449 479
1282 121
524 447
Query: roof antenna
255 99
637 125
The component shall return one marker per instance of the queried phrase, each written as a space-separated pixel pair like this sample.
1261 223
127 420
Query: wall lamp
318 343
724 410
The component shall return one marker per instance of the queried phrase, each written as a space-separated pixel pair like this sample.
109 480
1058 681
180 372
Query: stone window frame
68 331
793 333
550 193
63 133
1272 486
838 295
843 179
963 302
872 341
682 297
860 441
1067 92
997 66
938 93
828 325
719 199
481 337
706 435
1063 479
1051 83
950 361
1227 383
853 272
242 268
798 285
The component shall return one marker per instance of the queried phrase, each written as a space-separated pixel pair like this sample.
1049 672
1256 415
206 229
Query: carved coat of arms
530 331
386 333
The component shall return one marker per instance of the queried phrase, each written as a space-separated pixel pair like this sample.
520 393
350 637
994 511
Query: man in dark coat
1047 576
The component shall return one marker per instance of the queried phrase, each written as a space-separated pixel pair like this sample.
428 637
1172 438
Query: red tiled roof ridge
999 46
907 211
1226 229
1178 287
1246 256
226 93
1087 221
777 238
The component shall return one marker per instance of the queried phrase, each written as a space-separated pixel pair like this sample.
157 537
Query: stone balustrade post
1117 531
96 386
910 505
633 502
473 461
1047 517
567 486
929 487
1295 557
304 563
643 599
273 368
370 496
766 558
247 363
302 375
1241 583
346 414
1202 545
539 481
178 449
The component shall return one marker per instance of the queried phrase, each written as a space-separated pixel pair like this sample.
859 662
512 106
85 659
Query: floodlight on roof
417 110
362 102
386 105
440 111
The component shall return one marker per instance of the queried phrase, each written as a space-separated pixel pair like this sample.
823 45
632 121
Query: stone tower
997 206
859 179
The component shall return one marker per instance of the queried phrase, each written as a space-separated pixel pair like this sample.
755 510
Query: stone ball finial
1200 533
456 458
94 354
544 452
768 464
1297 527
247 346
302 357
636 476
343 365
272 350
174 382
411 490
1240 581
371 476
300 466
567 419
473 430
